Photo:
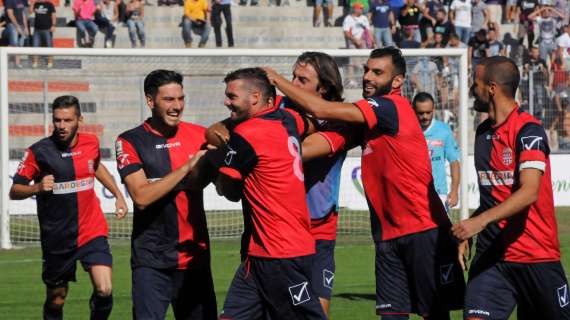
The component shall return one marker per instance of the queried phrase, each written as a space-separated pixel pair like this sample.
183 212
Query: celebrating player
170 246
64 167
266 173
517 261
416 266
441 146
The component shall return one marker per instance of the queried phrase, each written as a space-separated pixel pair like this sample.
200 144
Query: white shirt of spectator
355 25
547 27
462 13
563 41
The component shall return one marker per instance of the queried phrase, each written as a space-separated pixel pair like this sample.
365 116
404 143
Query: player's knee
104 290
56 298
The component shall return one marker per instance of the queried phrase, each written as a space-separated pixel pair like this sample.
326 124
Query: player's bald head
504 72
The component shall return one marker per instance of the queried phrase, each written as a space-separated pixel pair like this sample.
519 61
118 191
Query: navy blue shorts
539 289
274 289
419 273
59 269
190 292
323 269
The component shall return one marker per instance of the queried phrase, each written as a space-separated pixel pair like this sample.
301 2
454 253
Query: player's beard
65 142
381 90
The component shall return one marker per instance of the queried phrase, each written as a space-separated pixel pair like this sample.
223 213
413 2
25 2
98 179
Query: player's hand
121 207
46 185
466 229
452 199
195 158
272 75
464 254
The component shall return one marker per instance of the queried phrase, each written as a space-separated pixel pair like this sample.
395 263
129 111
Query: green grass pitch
22 291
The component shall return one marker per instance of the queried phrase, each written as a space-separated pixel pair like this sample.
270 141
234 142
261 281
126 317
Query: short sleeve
128 160
347 23
532 147
380 112
451 148
28 169
240 158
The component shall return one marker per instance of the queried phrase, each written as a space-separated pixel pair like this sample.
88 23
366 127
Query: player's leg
489 294
194 296
392 290
243 301
55 299
542 289
151 292
437 283
58 270
323 272
286 288
96 259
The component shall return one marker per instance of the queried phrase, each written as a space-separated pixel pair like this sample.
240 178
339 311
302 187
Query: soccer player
64 167
517 261
170 247
265 172
416 266
441 146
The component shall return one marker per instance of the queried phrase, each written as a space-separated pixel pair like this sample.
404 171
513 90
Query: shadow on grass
356 296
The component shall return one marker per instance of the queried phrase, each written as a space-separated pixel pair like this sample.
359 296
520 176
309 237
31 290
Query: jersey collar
508 119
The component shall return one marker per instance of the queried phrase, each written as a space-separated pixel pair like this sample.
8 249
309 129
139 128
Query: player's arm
317 106
107 180
532 150
332 139
145 192
28 170
455 171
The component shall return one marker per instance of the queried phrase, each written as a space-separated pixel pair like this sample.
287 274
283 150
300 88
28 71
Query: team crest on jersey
507 156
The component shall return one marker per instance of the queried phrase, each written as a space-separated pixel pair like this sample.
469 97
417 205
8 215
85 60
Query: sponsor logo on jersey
74 186
496 178
435 143
492 137
168 145
531 142
70 154
480 312
507 156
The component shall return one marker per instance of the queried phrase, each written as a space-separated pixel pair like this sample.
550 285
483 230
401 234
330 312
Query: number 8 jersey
264 152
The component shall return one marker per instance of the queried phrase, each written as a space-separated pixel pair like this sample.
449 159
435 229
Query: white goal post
256 55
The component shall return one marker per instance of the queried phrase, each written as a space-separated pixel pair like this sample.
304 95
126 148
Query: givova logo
563 296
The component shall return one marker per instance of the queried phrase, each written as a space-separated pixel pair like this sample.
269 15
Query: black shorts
59 269
539 289
272 288
323 269
418 273
190 292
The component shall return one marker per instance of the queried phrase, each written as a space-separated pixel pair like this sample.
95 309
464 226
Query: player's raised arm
315 105
107 180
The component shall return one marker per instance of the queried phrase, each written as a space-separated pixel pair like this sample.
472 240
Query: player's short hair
422 97
327 71
397 59
157 78
256 78
504 72
64 102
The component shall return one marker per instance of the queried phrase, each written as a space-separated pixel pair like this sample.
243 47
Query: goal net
108 84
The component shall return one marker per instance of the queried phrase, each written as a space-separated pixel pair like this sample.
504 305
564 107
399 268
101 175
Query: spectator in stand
44 26
396 6
511 9
478 46
383 21
536 68
450 74
195 20
496 47
495 10
437 41
547 29
425 77
443 25
460 14
84 11
356 27
410 18
563 41
109 15
364 3
135 22
219 7
319 4
253 3
562 105
409 41
479 16
525 8
17 27
455 42
122 10
514 49
427 22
